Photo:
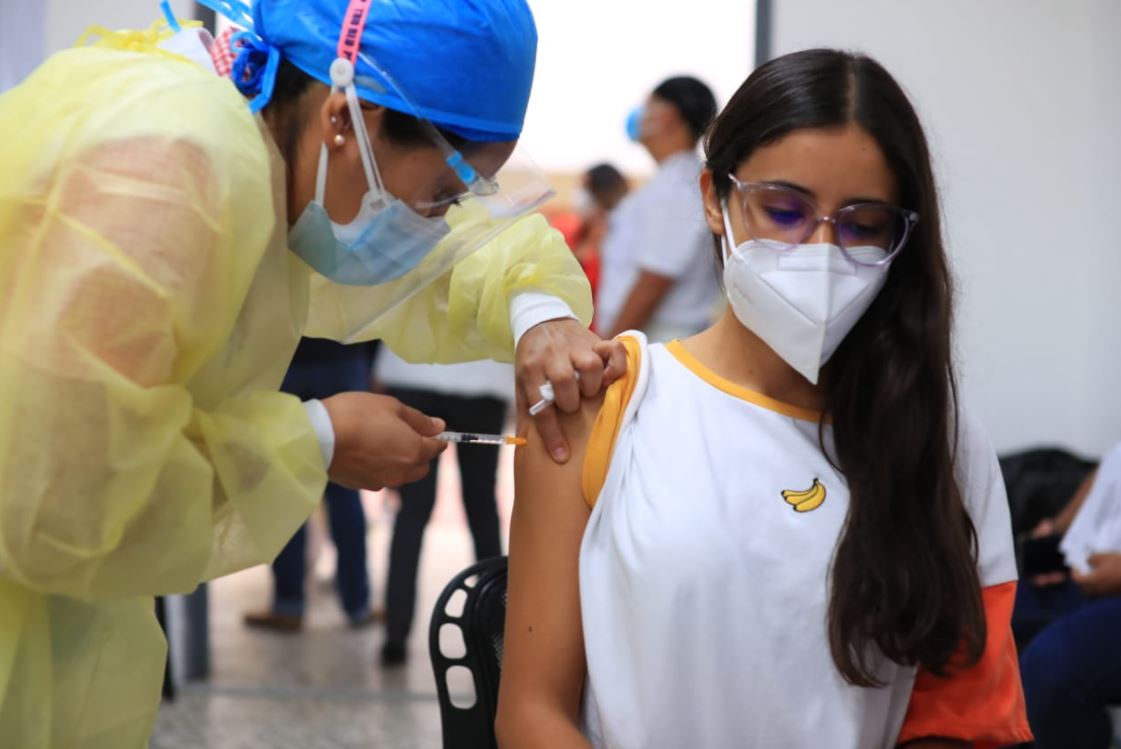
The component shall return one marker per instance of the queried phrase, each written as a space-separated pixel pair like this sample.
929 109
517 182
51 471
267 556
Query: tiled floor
324 686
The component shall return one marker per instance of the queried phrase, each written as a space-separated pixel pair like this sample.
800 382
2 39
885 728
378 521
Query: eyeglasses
783 218
474 182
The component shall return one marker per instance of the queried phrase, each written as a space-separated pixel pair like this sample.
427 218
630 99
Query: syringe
470 438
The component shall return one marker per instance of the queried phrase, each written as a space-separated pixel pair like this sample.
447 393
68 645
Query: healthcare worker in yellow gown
166 237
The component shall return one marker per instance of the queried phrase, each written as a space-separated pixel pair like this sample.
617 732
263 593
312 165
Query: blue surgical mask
634 124
381 244
386 240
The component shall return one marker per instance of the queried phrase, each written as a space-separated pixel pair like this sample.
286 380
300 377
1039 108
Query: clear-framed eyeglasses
783 218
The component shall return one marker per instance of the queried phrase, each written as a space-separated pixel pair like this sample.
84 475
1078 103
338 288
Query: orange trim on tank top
690 362
601 441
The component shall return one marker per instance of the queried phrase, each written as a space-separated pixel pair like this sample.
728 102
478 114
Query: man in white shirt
659 272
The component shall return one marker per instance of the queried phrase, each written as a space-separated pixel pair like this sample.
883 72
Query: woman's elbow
518 721
527 722
506 725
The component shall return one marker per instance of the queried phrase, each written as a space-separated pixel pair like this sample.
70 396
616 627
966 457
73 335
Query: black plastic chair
1040 483
481 588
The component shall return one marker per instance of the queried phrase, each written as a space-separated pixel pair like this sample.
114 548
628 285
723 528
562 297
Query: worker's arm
140 451
643 300
114 481
543 667
510 297
466 313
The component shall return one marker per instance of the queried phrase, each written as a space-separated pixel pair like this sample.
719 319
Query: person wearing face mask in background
655 275
167 242
784 531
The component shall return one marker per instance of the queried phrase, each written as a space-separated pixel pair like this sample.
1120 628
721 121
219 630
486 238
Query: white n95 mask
802 300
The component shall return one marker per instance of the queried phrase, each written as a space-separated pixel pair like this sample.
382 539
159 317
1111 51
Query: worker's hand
1104 577
555 351
380 441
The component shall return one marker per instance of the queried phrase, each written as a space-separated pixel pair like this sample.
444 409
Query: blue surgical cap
466 65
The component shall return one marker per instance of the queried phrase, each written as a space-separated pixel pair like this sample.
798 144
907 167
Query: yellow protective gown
148 310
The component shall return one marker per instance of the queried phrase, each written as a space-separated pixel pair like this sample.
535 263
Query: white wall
1020 99
21 40
597 59
67 19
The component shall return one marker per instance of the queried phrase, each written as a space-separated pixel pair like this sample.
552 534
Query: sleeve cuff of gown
531 308
324 430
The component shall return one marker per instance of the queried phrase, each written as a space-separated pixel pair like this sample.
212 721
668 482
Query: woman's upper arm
543 669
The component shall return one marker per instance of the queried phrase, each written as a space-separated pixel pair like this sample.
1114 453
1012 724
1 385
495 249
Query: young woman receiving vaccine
784 531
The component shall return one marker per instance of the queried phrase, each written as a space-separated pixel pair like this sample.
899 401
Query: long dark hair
904 575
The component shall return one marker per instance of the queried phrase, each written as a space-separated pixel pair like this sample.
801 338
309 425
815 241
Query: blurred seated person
1067 621
658 260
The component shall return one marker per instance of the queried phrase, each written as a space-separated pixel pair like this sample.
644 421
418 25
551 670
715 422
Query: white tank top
704 589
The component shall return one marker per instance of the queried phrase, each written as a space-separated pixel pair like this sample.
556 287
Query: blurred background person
606 186
657 270
320 369
602 188
584 225
472 397
1068 614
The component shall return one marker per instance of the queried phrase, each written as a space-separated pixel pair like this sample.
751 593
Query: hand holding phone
1044 563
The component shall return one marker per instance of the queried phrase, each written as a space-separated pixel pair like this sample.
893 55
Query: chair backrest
474 602
1040 483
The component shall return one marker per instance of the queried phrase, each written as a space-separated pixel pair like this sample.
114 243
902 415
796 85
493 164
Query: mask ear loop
729 237
321 175
365 147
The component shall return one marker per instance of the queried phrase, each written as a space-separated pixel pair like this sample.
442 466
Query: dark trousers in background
321 369
1070 663
346 521
478 470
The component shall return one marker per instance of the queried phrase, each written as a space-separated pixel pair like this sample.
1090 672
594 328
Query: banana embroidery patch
807 500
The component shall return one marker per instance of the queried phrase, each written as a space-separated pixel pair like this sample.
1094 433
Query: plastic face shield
486 200
514 189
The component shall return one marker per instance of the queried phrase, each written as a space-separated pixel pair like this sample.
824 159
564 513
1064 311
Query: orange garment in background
581 237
